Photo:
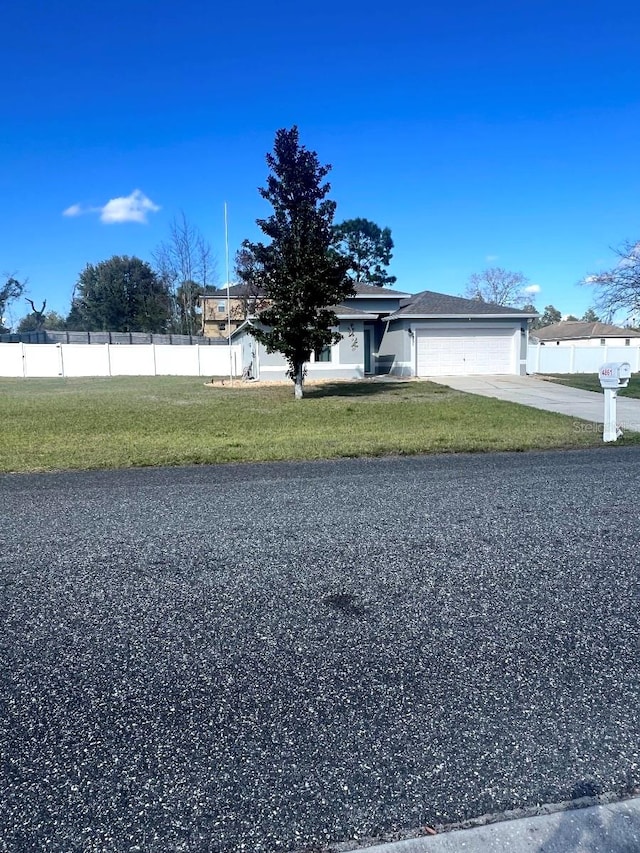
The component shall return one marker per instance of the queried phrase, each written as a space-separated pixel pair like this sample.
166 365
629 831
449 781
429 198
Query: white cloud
131 208
533 288
490 258
74 210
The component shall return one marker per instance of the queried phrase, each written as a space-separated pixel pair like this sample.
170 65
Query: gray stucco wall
374 304
524 343
353 372
268 359
394 351
347 356
351 347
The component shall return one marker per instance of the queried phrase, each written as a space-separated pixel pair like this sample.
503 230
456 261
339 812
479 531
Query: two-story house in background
222 313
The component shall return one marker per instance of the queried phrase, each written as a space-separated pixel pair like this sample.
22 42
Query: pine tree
367 247
302 278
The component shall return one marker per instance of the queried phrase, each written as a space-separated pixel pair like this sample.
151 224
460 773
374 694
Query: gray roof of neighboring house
430 304
235 290
363 289
570 330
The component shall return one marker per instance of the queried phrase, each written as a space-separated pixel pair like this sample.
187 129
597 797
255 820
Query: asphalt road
281 657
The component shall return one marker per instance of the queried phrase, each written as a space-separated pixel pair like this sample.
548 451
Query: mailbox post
613 375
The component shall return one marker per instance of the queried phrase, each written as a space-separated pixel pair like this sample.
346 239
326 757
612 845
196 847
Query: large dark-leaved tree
301 276
122 294
367 247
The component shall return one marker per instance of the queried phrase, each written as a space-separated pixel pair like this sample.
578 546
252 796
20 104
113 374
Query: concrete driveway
543 394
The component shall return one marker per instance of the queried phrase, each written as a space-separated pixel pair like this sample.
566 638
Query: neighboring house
243 300
579 334
387 331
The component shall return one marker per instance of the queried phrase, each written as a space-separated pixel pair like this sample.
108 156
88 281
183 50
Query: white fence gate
42 360
571 359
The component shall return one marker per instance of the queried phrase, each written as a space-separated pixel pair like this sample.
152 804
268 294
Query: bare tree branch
618 289
38 316
498 287
185 261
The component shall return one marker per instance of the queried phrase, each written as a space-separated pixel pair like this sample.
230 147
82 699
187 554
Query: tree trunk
297 390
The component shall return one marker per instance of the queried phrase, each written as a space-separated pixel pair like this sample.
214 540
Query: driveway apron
543 394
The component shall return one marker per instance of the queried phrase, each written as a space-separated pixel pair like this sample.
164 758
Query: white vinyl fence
33 360
571 359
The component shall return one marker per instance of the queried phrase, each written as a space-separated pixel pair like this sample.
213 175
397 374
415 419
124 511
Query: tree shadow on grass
359 388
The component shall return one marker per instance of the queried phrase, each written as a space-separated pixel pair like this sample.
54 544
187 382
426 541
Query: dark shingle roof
363 289
569 330
430 304
235 291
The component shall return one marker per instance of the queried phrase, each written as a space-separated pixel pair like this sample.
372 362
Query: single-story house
388 331
579 334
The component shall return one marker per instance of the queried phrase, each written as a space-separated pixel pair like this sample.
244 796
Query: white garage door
448 353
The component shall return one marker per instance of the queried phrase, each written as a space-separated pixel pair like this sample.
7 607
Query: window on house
603 342
627 342
323 354
222 307
222 326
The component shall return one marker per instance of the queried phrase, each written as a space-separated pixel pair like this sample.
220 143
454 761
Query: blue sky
482 133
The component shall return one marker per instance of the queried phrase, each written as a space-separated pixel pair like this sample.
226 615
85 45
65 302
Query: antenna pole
226 261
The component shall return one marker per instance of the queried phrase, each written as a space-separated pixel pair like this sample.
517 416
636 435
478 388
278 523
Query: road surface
284 657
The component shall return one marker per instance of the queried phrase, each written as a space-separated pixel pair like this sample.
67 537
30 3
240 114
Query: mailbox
615 374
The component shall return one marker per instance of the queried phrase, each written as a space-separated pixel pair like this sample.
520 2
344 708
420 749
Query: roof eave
407 316
355 316
399 294
241 327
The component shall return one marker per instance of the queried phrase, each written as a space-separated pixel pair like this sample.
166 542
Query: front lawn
590 382
50 424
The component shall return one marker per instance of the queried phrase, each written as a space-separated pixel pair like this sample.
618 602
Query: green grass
51 424
590 382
